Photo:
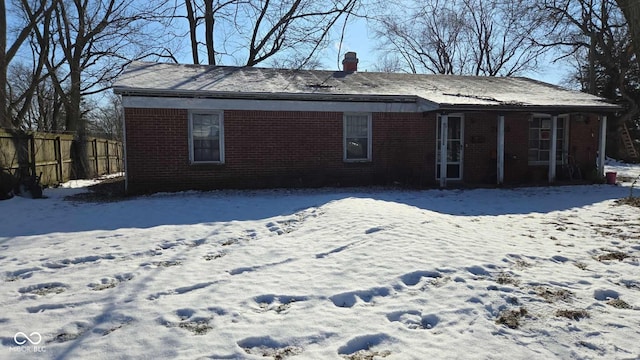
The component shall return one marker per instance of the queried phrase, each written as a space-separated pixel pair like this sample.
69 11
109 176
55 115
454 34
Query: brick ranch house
210 127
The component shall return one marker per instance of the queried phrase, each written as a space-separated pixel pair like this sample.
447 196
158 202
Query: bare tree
205 11
253 31
90 42
631 11
32 13
105 118
477 37
596 31
42 109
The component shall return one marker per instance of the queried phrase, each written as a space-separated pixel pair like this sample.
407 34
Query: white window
206 137
357 137
540 139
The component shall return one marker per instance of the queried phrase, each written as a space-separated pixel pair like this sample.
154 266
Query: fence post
59 161
32 155
118 157
94 145
106 143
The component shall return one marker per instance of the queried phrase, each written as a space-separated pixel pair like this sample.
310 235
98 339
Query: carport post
500 151
444 131
553 148
602 143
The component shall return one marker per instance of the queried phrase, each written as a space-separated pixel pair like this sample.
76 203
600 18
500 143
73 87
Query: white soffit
272 105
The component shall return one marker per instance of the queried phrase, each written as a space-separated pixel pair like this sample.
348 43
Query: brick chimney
350 62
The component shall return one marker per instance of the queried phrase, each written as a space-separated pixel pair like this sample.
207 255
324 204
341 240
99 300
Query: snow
228 81
323 274
625 172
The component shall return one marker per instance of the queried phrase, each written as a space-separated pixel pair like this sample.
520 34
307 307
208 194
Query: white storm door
454 147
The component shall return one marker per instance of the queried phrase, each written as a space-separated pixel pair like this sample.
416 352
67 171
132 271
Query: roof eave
558 109
127 91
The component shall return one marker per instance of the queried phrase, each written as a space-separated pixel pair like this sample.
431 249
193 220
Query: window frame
369 137
220 115
565 118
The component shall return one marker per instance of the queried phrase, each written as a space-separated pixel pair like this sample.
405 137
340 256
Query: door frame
445 144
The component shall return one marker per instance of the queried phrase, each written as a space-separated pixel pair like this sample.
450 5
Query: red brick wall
275 149
516 148
480 149
404 147
157 147
583 142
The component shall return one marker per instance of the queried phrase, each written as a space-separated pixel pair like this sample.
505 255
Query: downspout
124 147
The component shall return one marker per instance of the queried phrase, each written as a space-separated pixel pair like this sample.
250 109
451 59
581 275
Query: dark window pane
357 148
357 137
535 123
534 134
206 137
544 156
453 171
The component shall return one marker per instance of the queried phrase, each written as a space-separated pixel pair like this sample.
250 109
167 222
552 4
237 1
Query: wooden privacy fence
53 155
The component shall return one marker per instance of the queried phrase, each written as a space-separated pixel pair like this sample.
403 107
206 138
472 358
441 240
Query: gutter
558 109
125 91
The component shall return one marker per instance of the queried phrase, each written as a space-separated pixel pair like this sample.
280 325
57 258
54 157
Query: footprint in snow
111 322
478 271
360 347
71 331
414 319
605 294
44 289
413 278
289 225
181 290
349 299
185 319
268 347
21 274
277 303
374 230
77 261
110 282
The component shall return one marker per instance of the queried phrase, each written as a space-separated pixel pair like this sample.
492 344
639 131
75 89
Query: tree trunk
76 124
5 121
208 32
631 11
193 27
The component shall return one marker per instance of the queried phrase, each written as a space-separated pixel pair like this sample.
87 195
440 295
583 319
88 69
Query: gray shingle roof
445 91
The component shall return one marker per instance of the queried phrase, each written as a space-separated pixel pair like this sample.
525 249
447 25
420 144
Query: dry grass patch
276 354
507 279
521 264
631 201
210 257
553 295
108 190
580 265
612 255
197 327
367 355
512 318
619 303
573 314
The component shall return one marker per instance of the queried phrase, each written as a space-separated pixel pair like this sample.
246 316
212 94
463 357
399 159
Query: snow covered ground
530 273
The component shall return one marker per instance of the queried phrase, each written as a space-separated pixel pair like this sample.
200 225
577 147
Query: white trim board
272 105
